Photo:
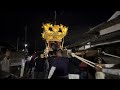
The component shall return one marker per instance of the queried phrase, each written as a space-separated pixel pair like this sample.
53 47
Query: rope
84 60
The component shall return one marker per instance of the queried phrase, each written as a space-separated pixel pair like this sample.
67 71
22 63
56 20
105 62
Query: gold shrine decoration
54 32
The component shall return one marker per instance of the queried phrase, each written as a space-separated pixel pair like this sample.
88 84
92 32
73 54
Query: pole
17 43
55 17
35 44
110 55
62 42
25 34
25 38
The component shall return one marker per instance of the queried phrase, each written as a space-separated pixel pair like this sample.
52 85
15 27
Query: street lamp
26 45
26 50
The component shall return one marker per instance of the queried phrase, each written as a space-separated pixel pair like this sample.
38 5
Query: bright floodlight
26 45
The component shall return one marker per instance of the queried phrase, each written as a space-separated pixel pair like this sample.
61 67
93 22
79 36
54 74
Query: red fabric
83 65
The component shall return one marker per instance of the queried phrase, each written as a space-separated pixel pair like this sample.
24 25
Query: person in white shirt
5 63
99 74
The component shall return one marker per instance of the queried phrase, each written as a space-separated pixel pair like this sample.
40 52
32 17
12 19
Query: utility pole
26 39
35 44
25 34
17 43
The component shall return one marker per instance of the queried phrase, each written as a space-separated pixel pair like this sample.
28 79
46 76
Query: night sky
13 22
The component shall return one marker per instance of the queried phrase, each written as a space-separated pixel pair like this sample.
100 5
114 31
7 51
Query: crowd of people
56 66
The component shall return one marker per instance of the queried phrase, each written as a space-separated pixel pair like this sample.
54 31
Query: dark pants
39 75
83 75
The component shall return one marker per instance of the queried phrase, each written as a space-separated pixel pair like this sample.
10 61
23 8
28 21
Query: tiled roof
105 25
107 38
